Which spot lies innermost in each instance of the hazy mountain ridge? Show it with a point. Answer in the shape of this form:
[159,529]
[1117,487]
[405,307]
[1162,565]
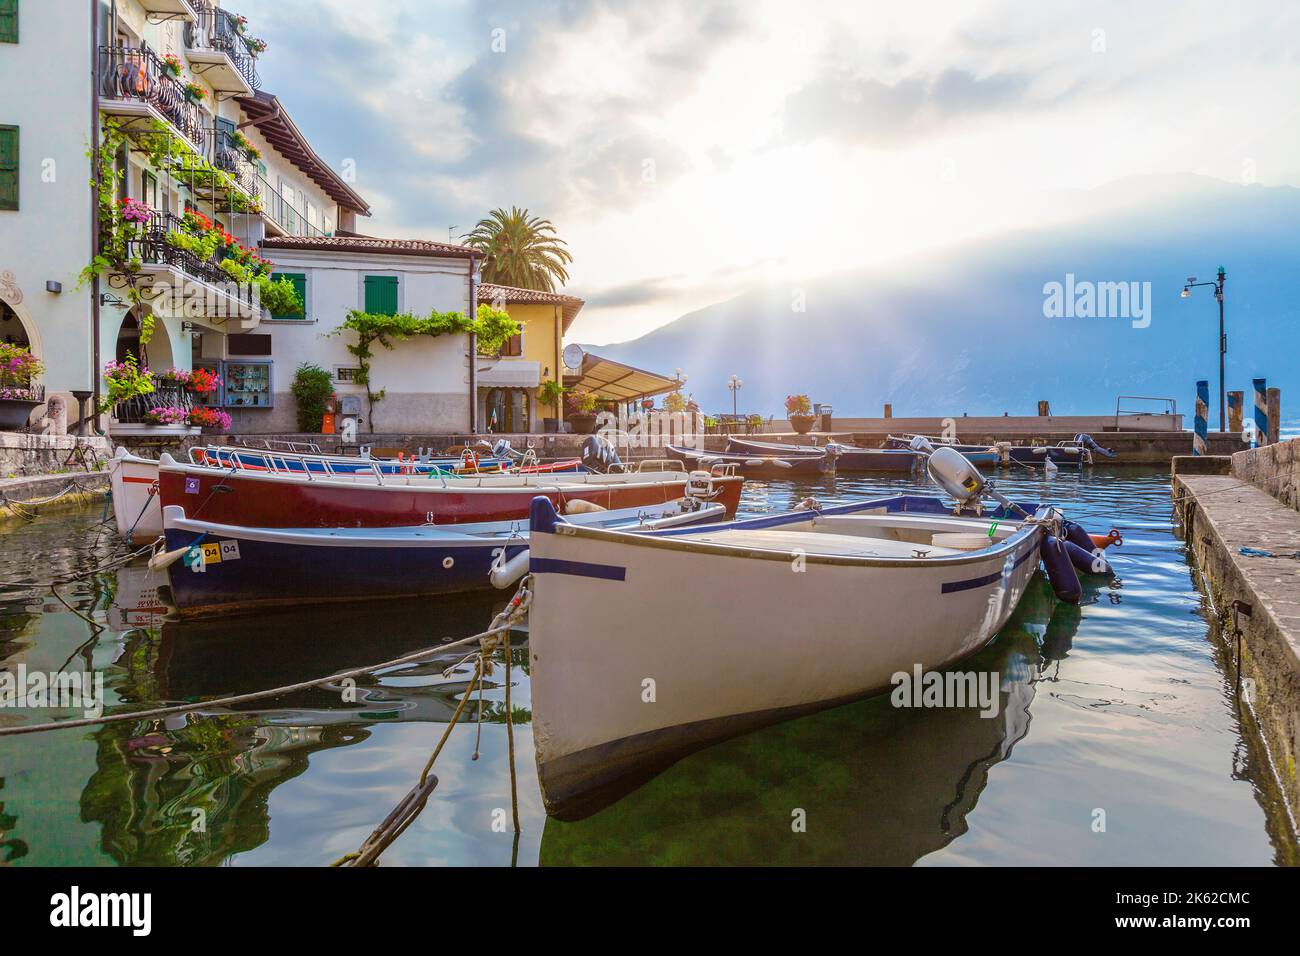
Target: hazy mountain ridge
[962,329]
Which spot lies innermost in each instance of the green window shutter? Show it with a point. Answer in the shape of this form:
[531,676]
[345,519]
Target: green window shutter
[381,295]
[8,167]
[8,21]
[299,280]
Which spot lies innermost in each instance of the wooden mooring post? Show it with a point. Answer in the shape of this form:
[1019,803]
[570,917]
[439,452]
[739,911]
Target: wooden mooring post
[1236,406]
[1274,404]
[1201,436]
[1260,434]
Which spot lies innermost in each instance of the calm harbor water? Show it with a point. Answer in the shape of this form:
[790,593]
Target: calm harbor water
[1120,706]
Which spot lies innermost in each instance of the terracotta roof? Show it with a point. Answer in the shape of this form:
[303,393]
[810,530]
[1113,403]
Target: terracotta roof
[372,244]
[570,304]
[269,116]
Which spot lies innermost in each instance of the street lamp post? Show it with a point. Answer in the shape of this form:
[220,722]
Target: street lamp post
[735,384]
[1217,283]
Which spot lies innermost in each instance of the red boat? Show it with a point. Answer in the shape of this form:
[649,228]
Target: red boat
[279,500]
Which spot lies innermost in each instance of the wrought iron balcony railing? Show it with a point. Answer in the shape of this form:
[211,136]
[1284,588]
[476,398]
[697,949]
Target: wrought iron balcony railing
[149,244]
[218,29]
[133,410]
[231,158]
[137,73]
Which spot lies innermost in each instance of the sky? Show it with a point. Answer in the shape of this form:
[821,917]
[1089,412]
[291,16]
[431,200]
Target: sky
[689,150]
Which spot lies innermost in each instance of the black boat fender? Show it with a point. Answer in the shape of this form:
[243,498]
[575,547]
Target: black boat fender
[1060,569]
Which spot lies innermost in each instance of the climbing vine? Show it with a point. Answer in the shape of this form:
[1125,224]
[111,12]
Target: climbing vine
[492,326]
[115,230]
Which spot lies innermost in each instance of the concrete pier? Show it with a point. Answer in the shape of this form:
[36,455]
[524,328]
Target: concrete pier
[1253,504]
[40,494]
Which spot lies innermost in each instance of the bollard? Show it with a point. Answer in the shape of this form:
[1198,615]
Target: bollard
[1202,418]
[1274,415]
[889,410]
[1236,406]
[1044,408]
[1259,434]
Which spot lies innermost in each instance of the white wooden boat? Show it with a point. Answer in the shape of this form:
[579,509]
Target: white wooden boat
[715,630]
[134,483]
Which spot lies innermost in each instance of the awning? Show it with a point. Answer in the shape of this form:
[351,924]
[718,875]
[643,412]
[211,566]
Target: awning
[606,378]
[509,373]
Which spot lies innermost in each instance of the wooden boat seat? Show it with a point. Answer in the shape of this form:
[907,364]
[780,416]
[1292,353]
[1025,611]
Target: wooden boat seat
[916,529]
[813,542]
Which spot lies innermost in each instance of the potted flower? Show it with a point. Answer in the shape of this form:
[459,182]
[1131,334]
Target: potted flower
[580,410]
[647,404]
[755,423]
[125,380]
[710,425]
[550,393]
[171,65]
[210,418]
[798,409]
[167,415]
[18,396]
[194,92]
[202,381]
[256,45]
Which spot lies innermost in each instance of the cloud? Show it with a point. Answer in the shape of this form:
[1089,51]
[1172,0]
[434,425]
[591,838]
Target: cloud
[854,108]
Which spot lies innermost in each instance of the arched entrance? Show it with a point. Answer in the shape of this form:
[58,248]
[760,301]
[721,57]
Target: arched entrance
[12,329]
[157,354]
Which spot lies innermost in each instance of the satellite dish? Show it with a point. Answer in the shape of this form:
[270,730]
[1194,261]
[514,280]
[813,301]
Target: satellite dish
[573,356]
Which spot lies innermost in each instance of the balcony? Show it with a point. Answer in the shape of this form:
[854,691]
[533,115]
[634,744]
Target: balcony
[183,284]
[159,11]
[228,157]
[219,52]
[133,85]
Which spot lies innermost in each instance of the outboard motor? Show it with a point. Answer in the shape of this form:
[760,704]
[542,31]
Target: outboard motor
[598,454]
[1087,441]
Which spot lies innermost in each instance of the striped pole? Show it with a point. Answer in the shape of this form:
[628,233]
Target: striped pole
[1260,436]
[1202,417]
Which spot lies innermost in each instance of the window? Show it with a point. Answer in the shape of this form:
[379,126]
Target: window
[149,188]
[8,21]
[345,374]
[514,346]
[299,280]
[381,295]
[8,167]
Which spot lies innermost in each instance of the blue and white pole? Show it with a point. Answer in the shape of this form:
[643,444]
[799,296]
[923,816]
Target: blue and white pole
[1260,434]
[1202,418]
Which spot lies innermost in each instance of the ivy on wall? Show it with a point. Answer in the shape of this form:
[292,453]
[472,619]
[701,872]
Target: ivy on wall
[492,326]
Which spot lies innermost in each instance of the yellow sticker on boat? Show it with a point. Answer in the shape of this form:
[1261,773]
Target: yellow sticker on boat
[211,553]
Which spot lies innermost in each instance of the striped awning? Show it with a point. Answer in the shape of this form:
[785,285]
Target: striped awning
[606,378]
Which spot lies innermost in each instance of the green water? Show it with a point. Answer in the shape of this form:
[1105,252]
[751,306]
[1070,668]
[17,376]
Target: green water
[1121,706]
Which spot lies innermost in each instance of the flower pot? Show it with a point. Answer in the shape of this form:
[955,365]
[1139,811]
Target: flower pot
[802,423]
[584,423]
[14,413]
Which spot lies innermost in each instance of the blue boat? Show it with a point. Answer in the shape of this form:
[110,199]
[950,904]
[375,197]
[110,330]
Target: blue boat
[226,569]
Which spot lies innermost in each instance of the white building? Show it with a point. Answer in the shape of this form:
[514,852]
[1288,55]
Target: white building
[184,152]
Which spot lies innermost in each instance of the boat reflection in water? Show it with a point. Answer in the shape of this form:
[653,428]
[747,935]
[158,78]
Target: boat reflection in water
[194,790]
[876,784]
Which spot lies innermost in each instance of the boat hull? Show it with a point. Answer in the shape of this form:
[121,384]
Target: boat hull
[799,642]
[242,572]
[764,465]
[265,500]
[136,508]
[850,458]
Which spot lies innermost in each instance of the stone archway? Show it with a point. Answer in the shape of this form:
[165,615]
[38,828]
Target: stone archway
[24,330]
[157,354]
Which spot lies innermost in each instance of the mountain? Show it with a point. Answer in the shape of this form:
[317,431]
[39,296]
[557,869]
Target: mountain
[962,329]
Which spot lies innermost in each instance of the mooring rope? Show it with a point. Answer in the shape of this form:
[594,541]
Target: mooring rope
[410,806]
[487,639]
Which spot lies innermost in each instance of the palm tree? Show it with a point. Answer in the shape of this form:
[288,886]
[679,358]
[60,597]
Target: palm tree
[520,250]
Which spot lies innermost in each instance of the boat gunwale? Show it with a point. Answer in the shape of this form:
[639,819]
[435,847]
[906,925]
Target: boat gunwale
[463,484]
[678,539]
[445,534]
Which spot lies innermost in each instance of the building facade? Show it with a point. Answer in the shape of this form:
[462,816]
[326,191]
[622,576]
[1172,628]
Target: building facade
[171,87]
